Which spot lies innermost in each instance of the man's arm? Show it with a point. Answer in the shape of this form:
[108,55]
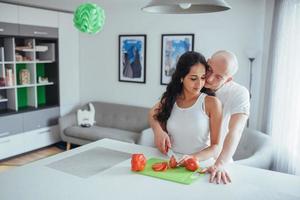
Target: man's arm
[236,126]
[161,138]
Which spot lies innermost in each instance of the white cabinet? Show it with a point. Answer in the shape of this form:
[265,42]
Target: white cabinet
[28,16]
[10,146]
[37,17]
[8,13]
[68,63]
[19,132]
[28,141]
[40,138]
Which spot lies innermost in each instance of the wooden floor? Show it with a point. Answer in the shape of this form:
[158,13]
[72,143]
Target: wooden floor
[28,157]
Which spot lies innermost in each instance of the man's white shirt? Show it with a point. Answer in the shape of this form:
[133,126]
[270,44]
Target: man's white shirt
[235,99]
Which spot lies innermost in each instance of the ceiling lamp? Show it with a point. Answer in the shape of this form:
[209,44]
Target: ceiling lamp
[185,6]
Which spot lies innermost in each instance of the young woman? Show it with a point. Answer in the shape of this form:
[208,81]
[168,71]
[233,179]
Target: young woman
[191,119]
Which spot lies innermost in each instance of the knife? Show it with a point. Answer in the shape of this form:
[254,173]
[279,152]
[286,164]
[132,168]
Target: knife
[171,153]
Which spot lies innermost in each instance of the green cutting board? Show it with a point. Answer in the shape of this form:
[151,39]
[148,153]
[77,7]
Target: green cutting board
[179,174]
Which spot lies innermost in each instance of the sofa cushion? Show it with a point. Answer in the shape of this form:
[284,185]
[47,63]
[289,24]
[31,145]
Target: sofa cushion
[125,117]
[96,133]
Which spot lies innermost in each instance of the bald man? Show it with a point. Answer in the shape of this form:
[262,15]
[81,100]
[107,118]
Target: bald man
[236,105]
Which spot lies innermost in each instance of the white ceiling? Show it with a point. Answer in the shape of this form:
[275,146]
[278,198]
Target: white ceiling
[68,5]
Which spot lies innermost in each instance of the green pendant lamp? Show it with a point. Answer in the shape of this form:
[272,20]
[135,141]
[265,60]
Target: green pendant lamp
[89,18]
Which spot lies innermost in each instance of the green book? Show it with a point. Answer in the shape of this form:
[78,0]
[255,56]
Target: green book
[179,174]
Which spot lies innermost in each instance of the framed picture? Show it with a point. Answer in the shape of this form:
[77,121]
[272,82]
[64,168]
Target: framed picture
[132,58]
[172,47]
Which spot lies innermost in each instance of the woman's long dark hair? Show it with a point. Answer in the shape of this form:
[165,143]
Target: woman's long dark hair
[174,88]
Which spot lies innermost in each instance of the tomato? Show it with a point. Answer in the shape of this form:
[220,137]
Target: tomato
[161,166]
[138,162]
[172,162]
[191,164]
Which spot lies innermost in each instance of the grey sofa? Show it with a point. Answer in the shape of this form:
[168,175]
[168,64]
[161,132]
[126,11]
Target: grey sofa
[130,124]
[254,149]
[115,121]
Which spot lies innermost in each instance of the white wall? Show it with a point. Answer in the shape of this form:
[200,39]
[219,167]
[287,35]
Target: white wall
[237,30]
[68,64]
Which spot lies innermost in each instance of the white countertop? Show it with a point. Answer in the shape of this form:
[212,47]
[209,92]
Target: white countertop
[38,181]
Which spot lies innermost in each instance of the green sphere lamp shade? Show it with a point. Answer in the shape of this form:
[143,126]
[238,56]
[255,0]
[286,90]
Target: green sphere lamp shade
[89,18]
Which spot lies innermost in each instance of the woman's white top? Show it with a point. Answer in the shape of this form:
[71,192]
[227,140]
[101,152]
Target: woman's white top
[188,128]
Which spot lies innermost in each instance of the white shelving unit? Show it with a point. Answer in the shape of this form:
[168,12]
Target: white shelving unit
[22,129]
[19,53]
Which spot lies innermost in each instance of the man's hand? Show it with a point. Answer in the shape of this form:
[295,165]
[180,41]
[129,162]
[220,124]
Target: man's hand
[217,174]
[162,141]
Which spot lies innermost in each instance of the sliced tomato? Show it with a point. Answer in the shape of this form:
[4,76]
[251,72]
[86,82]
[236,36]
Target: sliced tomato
[165,166]
[138,162]
[191,164]
[172,162]
[157,166]
[161,166]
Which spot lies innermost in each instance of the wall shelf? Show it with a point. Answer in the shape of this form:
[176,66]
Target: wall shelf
[25,62]
[24,49]
[27,85]
[3,100]
[44,84]
[7,87]
[45,61]
[8,62]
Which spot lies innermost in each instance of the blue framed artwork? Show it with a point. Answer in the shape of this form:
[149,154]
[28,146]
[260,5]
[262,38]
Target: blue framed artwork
[172,47]
[132,58]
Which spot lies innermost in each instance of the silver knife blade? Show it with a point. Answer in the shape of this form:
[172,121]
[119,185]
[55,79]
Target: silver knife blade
[171,153]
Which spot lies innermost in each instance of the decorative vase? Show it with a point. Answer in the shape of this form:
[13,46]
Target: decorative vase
[9,77]
[24,76]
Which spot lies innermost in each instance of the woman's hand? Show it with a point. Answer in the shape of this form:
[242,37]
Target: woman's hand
[162,141]
[217,174]
[182,160]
